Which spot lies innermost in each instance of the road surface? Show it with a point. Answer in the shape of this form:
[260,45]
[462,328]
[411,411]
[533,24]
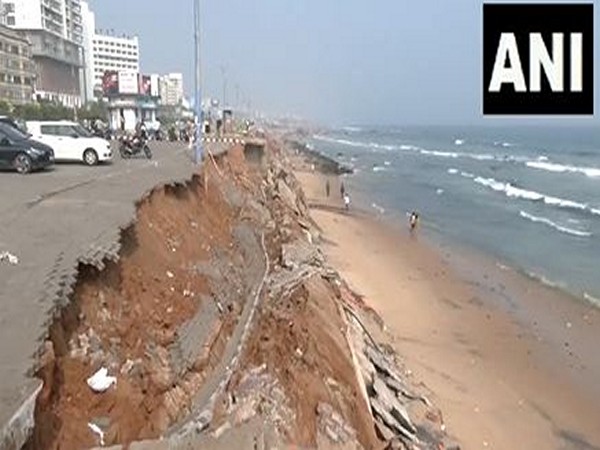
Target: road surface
[50,220]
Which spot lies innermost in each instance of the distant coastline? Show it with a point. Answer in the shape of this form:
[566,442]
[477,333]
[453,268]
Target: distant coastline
[322,162]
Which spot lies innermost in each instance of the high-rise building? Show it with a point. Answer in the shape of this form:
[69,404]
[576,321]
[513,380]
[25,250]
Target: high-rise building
[17,71]
[55,30]
[114,54]
[171,89]
[89,30]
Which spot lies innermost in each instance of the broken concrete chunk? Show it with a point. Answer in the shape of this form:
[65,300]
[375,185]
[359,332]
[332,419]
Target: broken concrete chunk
[384,432]
[382,363]
[380,409]
[392,404]
[287,195]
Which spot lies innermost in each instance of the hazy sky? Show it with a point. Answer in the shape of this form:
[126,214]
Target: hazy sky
[339,61]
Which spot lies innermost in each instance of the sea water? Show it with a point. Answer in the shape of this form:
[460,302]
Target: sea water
[528,196]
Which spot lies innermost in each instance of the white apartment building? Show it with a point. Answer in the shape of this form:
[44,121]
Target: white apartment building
[171,89]
[89,30]
[114,53]
[55,29]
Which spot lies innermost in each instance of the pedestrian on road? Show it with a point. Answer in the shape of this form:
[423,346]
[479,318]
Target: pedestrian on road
[327,187]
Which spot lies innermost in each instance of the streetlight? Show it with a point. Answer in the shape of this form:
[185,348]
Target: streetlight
[198,85]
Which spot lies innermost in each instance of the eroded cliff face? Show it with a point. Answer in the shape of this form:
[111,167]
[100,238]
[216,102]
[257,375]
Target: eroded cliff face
[220,310]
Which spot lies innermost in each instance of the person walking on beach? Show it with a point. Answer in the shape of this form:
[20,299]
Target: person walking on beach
[413,221]
[327,187]
[346,201]
[342,190]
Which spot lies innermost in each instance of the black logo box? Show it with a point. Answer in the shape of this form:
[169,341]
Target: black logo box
[523,19]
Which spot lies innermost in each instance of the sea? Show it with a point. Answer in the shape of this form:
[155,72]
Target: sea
[527,196]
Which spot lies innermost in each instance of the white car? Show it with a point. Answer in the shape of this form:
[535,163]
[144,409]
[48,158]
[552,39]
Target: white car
[70,141]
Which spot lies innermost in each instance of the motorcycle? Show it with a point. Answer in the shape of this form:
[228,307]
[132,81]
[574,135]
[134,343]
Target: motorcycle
[133,146]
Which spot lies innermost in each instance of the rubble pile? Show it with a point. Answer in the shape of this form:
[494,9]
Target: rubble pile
[222,322]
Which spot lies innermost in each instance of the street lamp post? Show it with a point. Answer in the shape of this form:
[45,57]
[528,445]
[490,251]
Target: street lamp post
[198,84]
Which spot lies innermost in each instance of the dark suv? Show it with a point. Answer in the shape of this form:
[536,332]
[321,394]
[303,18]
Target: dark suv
[18,151]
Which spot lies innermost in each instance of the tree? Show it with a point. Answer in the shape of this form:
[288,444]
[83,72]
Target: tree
[5,108]
[93,111]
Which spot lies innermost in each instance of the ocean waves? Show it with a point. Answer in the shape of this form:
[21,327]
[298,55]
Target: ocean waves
[538,163]
[592,172]
[552,224]
[516,192]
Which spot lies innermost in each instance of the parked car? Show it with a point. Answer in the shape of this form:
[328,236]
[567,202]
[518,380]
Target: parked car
[21,153]
[71,141]
[15,123]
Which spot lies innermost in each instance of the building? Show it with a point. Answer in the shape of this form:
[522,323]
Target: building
[131,97]
[113,54]
[17,71]
[171,89]
[55,30]
[89,31]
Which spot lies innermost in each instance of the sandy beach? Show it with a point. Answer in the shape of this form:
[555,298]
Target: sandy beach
[510,362]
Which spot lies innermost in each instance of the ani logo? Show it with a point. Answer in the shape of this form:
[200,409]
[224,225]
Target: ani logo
[538,59]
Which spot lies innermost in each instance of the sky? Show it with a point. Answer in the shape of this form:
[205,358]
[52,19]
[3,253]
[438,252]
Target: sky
[337,62]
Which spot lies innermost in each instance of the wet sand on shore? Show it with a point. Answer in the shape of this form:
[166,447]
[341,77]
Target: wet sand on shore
[510,362]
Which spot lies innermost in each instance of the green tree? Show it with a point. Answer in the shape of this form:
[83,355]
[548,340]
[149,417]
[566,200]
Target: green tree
[93,111]
[5,108]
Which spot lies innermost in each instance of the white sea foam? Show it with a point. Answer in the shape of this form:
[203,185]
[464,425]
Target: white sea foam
[452,171]
[595,301]
[405,148]
[595,211]
[352,129]
[554,225]
[459,142]
[467,175]
[439,153]
[387,163]
[378,169]
[346,142]
[514,192]
[439,191]
[592,172]
[379,209]
[545,281]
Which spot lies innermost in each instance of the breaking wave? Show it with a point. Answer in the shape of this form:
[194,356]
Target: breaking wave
[459,141]
[379,209]
[593,300]
[515,192]
[592,172]
[550,223]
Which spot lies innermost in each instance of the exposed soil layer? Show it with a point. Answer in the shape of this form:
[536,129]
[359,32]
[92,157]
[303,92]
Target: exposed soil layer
[301,341]
[126,317]
[187,264]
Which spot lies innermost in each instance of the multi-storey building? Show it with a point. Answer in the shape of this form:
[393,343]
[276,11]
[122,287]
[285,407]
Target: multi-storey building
[55,30]
[17,71]
[171,89]
[114,54]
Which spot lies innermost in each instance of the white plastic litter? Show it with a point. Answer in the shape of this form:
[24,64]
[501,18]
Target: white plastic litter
[96,429]
[101,381]
[9,258]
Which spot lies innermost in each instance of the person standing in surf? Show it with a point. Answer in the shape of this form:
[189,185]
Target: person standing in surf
[413,221]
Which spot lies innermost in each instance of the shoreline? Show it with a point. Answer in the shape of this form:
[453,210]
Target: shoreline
[486,322]
[436,238]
